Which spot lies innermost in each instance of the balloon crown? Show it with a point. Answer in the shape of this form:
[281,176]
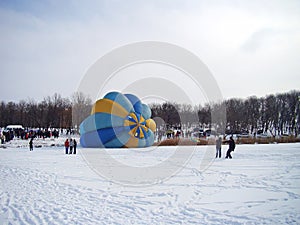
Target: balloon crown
[118,120]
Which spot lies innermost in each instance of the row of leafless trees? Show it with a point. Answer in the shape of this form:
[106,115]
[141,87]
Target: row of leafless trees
[53,111]
[278,113]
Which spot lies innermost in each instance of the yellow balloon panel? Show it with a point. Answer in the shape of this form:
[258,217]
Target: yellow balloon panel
[151,124]
[110,107]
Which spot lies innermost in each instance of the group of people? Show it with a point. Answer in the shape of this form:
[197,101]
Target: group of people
[231,147]
[71,146]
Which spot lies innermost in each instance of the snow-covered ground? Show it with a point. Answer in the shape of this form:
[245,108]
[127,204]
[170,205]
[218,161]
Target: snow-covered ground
[260,185]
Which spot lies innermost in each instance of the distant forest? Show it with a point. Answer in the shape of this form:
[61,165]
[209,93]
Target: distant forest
[53,112]
[278,113]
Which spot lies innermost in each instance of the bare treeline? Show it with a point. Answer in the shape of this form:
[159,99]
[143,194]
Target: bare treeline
[278,114]
[53,111]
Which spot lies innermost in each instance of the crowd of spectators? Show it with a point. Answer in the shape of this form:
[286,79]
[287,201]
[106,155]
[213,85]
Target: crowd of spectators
[7,135]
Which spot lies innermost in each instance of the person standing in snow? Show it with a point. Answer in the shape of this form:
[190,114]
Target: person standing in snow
[75,146]
[67,144]
[71,146]
[2,138]
[231,148]
[31,144]
[218,147]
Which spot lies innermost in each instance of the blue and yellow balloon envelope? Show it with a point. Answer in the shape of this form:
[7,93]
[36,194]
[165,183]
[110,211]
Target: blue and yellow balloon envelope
[118,120]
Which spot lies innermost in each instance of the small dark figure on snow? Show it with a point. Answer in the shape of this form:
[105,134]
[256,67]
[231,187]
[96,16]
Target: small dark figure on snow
[75,146]
[231,148]
[31,144]
[218,147]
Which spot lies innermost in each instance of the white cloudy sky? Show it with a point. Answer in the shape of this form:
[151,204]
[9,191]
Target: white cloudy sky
[251,47]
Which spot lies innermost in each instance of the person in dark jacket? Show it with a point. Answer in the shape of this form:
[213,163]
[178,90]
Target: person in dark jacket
[31,144]
[75,146]
[231,148]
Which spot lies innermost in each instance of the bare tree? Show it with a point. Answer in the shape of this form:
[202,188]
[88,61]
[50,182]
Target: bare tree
[81,108]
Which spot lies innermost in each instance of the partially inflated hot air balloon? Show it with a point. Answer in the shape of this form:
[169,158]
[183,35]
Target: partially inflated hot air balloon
[118,120]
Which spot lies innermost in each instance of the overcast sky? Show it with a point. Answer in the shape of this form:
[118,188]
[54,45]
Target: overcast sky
[251,47]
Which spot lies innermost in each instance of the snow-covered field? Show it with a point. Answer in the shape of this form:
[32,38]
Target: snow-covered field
[260,185]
